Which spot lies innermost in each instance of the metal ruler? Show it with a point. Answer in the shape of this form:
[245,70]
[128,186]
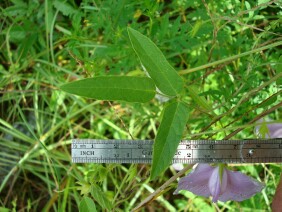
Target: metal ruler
[188,151]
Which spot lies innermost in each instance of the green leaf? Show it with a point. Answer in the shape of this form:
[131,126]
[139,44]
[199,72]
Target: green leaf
[196,28]
[132,173]
[263,130]
[163,74]
[130,89]
[87,205]
[17,33]
[268,102]
[27,44]
[175,116]
[279,70]
[19,9]
[64,7]
[200,100]
[100,197]
[84,187]
[2,209]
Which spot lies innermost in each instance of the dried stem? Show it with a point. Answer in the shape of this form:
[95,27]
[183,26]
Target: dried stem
[157,192]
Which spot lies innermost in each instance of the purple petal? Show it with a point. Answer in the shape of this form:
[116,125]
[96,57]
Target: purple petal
[216,186]
[197,181]
[275,129]
[240,187]
[177,166]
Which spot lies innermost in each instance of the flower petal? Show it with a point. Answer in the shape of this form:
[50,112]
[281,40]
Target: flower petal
[274,130]
[217,186]
[177,166]
[240,187]
[197,181]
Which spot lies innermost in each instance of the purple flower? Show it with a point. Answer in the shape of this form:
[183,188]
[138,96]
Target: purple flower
[177,166]
[220,183]
[265,130]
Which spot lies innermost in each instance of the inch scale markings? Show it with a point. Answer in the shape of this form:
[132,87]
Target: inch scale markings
[188,151]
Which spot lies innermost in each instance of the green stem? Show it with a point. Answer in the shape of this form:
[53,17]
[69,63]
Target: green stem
[121,185]
[187,71]
[221,169]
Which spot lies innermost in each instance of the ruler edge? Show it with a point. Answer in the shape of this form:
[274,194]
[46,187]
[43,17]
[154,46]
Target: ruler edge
[242,142]
[184,141]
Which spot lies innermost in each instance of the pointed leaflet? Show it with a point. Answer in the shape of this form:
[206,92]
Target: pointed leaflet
[200,100]
[173,122]
[87,205]
[165,77]
[130,89]
[101,198]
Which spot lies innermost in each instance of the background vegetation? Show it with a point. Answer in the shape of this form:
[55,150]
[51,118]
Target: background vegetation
[44,44]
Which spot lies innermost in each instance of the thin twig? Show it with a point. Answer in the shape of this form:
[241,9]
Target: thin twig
[123,124]
[162,188]
[254,120]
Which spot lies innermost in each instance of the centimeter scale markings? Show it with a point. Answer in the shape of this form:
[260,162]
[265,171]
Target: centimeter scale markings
[188,151]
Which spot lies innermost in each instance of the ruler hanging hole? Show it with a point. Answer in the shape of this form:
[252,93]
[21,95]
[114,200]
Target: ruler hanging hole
[251,151]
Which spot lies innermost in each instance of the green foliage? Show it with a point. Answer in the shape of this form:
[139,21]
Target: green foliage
[279,70]
[132,173]
[84,188]
[175,116]
[130,89]
[65,8]
[98,173]
[100,197]
[87,205]
[163,74]
[200,100]
[263,130]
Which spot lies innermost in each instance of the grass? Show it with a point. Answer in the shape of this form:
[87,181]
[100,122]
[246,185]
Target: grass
[230,50]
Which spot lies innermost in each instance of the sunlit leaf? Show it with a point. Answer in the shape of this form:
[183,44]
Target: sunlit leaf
[196,27]
[130,89]
[100,197]
[151,57]
[175,116]
[263,130]
[84,188]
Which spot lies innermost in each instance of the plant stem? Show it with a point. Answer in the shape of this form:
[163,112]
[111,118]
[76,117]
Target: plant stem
[187,71]
[157,192]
